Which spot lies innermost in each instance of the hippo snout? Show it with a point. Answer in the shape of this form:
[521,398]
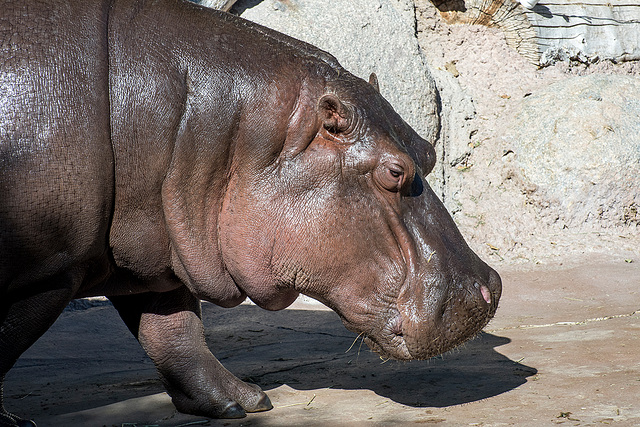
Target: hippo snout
[442,313]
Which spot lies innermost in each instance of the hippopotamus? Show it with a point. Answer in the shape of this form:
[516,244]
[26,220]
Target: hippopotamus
[160,153]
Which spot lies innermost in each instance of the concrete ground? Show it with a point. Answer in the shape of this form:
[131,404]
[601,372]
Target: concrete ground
[564,348]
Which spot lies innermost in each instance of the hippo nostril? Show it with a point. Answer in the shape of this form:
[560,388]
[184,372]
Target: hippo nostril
[484,291]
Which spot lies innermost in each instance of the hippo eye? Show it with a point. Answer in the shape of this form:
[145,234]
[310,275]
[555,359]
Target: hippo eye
[395,173]
[390,177]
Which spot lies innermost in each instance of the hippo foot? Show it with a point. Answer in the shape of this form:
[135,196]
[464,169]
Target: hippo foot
[263,403]
[231,411]
[10,420]
[234,410]
[252,400]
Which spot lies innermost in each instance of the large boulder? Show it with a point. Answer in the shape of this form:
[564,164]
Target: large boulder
[578,142]
[365,36]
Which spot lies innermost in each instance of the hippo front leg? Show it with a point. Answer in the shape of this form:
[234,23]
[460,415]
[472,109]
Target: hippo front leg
[169,328]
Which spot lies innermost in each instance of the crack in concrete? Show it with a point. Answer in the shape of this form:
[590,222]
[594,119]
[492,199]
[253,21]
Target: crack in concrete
[295,366]
[286,328]
[581,322]
[311,332]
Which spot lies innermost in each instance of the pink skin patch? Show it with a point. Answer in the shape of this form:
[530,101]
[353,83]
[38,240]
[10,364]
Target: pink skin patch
[486,294]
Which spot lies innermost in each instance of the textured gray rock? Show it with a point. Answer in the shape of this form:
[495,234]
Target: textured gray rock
[453,145]
[365,36]
[578,142]
[586,31]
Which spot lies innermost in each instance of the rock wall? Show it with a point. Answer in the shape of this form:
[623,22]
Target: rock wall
[545,177]
[578,142]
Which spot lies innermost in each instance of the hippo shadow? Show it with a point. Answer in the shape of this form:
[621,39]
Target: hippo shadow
[311,349]
[89,359]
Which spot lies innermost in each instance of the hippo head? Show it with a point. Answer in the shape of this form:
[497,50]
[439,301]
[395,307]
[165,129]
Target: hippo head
[341,212]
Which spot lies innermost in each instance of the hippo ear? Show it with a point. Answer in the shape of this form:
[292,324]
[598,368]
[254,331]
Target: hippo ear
[373,81]
[336,117]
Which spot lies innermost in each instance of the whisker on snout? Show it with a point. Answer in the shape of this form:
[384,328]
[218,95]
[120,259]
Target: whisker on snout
[354,342]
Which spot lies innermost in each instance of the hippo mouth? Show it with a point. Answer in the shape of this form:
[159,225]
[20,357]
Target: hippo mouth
[390,343]
[458,317]
[409,333]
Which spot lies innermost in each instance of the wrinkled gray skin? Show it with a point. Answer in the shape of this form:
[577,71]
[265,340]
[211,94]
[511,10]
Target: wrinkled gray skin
[160,153]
